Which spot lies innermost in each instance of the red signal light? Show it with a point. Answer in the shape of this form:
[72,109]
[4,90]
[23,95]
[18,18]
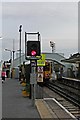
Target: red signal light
[33,48]
[33,53]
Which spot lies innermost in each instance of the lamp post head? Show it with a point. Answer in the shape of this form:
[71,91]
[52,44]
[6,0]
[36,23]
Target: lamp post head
[8,50]
[20,28]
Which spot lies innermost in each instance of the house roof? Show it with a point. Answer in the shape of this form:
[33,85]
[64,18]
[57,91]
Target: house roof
[75,58]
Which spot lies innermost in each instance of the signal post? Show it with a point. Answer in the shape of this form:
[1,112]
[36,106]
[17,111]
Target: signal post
[32,50]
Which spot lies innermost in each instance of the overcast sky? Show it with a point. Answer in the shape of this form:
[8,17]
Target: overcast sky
[56,21]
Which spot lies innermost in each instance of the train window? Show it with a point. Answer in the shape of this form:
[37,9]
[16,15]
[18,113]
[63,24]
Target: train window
[47,67]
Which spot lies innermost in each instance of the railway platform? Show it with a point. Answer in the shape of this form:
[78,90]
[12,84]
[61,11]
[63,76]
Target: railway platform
[14,105]
[50,108]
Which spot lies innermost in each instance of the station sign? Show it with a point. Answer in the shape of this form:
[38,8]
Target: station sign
[40,74]
[41,61]
[40,69]
[40,77]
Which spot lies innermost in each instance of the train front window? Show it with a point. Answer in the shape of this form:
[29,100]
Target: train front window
[47,67]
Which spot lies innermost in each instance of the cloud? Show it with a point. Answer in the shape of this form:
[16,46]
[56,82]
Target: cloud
[39,9]
[40,0]
[55,21]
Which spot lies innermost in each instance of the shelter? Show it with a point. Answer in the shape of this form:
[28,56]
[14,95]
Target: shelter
[54,56]
[75,58]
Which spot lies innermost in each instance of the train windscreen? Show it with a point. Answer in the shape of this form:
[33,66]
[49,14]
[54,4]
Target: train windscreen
[47,67]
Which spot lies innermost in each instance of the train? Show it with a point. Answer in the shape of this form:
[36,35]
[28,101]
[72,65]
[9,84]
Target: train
[47,70]
[51,71]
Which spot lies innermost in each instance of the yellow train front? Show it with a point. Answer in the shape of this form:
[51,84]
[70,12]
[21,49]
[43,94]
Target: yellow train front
[47,71]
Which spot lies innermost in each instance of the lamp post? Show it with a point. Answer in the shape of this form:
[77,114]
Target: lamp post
[20,42]
[20,53]
[13,49]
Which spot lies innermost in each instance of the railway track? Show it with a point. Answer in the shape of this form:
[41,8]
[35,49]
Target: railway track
[66,96]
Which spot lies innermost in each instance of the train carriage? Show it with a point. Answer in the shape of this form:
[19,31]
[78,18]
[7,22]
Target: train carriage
[47,70]
[52,70]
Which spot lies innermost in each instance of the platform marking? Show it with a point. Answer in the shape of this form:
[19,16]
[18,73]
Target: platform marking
[61,106]
[71,79]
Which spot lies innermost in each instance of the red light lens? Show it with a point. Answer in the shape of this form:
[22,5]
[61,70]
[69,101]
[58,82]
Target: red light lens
[33,53]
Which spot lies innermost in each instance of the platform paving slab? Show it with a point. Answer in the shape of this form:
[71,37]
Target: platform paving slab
[43,109]
[14,105]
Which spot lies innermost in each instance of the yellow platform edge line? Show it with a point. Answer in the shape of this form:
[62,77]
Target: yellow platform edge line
[43,109]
